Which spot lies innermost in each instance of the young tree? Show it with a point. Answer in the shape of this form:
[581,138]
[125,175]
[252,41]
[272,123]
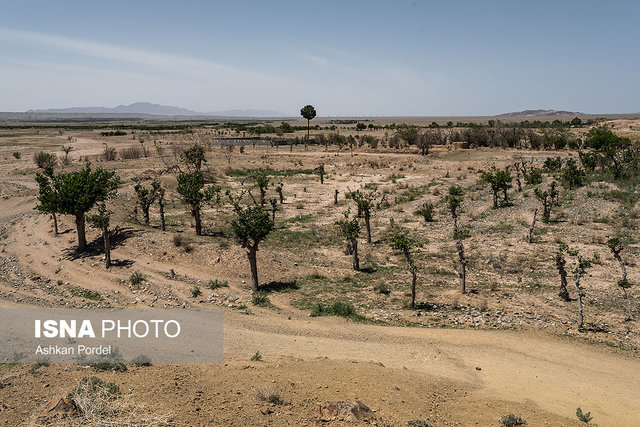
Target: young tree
[350,230]
[403,243]
[101,220]
[454,200]
[579,272]
[308,112]
[533,225]
[365,203]
[146,197]
[262,181]
[48,202]
[561,263]
[279,188]
[274,208]
[193,157]
[500,181]
[161,193]
[549,198]
[67,149]
[463,266]
[572,176]
[191,188]
[251,225]
[321,172]
[76,193]
[615,245]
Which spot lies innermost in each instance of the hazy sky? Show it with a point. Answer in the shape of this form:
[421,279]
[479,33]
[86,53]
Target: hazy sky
[344,57]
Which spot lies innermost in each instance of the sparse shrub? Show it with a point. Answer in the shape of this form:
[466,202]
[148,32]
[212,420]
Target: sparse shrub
[584,417]
[215,284]
[131,153]
[511,420]
[418,423]
[94,386]
[109,366]
[136,278]
[338,308]
[256,357]
[109,154]
[44,160]
[531,174]
[196,292]
[426,211]
[260,298]
[141,360]
[266,394]
[549,198]
[551,165]
[86,293]
[572,176]
[178,240]
[38,364]
[17,154]
[383,288]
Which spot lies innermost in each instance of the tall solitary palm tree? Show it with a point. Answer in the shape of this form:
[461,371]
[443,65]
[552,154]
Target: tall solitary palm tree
[308,112]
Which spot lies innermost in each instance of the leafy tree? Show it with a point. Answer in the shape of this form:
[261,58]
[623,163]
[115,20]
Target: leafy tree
[572,176]
[161,193]
[549,199]
[615,245]
[410,134]
[251,225]
[454,200]
[360,126]
[146,197]
[576,122]
[78,192]
[262,181]
[191,188]
[48,200]
[350,230]
[365,203]
[274,208]
[194,157]
[308,112]
[403,243]
[101,220]
[500,181]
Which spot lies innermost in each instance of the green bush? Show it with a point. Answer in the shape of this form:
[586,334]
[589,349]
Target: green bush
[215,284]
[196,292]
[511,420]
[136,278]
[426,211]
[260,298]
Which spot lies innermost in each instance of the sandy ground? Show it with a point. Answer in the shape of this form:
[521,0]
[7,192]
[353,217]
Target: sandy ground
[462,377]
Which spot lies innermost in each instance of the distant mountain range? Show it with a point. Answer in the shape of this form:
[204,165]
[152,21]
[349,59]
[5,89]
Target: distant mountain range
[158,110]
[540,113]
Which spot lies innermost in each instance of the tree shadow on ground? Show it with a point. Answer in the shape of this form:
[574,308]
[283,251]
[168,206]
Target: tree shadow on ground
[278,286]
[118,237]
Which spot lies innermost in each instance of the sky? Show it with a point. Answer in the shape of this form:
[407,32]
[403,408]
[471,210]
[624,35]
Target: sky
[347,58]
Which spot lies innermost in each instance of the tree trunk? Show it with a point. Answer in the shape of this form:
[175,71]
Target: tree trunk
[335,197]
[367,222]
[82,238]
[145,212]
[414,280]
[623,271]
[308,129]
[196,216]
[533,224]
[564,294]
[321,178]
[55,223]
[253,262]
[463,267]
[162,222]
[107,247]
[579,291]
[356,261]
